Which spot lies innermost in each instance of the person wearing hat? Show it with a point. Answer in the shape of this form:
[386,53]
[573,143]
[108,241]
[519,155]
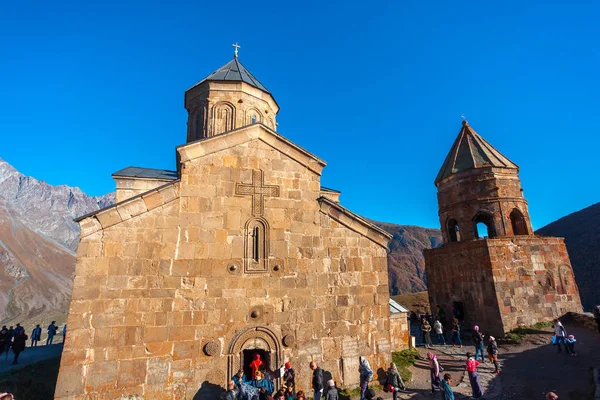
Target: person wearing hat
[478,339]
[493,353]
[289,377]
[570,344]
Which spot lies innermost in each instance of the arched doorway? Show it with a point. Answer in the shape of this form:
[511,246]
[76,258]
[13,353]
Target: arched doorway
[255,340]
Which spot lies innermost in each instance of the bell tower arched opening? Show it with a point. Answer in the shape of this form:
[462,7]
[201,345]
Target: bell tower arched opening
[483,225]
[517,220]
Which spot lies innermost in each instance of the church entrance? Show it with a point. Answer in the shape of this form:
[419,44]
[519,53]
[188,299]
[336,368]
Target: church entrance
[250,342]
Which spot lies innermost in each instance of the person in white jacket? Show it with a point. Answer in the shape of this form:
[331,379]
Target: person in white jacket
[439,331]
[561,334]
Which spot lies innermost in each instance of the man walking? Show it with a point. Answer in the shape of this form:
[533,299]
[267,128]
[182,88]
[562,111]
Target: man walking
[317,380]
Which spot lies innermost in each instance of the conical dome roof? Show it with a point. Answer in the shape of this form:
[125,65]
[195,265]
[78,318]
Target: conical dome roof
[234,71]
[471,151]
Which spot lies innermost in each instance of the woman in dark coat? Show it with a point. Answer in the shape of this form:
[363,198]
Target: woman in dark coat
[19,345]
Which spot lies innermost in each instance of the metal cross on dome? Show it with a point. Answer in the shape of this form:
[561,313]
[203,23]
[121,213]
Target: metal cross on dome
[235,52]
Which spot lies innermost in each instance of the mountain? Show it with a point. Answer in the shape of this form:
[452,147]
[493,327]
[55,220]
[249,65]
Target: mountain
[38,238]
[580,230]
[406,263]
[46,209]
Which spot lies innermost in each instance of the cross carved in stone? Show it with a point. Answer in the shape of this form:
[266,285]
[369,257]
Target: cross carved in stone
[258,190]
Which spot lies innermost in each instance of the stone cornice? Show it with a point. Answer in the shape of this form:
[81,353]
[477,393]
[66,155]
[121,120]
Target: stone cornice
[202,147]
[354,222]
[127,209]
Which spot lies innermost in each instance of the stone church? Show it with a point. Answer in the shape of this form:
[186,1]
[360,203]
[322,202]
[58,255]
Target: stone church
[240,251]
[492,268]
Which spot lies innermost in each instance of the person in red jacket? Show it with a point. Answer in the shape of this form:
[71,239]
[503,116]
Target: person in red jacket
[255,365]
[472,365]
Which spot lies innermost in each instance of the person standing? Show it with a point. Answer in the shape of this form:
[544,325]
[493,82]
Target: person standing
[4,340]
[434,372]
[439,332]
[394,382]
[366,374]
[18,329]
[493,353]
[64,333]
[317,380]
[560,333]
[36,335]
[447,393]
[289,377]
[474,379]
[478,339]
[19,345]
[456,333]
[51,332]
[332,393]
[426,329]
[570,344]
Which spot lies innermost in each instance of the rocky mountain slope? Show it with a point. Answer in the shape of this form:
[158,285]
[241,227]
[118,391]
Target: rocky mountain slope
[580,230]
[46,209]
[38,239]
[406,263]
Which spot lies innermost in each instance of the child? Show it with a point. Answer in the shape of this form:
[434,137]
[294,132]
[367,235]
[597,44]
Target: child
[570,343]
[447,393]
[332,393]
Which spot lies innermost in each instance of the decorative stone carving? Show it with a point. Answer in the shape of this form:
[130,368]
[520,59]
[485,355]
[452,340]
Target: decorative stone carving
[216,377]
[256,247]
[212,348]
[258,190]
[289,340]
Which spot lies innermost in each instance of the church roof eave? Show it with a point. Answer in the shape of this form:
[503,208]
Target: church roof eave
[355,222]
[470,151]
[223,141]
[128,208]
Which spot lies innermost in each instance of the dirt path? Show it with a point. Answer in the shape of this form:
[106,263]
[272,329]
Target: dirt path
[30,355]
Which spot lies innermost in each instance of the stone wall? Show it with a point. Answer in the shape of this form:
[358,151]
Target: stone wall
[505,282]
[534,280]
[399,331]
[462,272]
[165,298]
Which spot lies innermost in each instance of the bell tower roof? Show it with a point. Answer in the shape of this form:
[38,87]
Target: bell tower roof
[471,151]
[233,71]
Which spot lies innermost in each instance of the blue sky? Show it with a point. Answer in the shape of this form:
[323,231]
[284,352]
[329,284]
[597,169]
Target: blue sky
[374,88]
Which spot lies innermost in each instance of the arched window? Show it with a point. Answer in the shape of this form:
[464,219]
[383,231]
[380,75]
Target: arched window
[453,231]
[483,225]
[257,245]
[253,116]
[517,220]
[223,117]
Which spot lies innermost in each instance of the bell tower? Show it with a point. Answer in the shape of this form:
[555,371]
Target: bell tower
[479,192]
[491,267]
[229,98]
